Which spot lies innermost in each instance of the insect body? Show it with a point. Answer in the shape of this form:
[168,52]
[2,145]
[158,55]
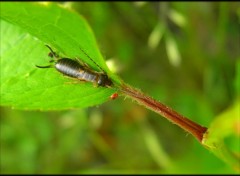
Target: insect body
[75,69]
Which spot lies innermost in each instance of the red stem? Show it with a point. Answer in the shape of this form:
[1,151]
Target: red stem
[195,129]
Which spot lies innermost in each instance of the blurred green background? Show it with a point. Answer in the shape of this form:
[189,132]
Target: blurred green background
[185,55]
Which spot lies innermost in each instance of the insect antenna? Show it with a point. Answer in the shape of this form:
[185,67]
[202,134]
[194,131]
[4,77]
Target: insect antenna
[92,59]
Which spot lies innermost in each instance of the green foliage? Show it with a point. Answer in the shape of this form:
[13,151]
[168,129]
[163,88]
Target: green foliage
[224,126]
[28,28]
[119,136]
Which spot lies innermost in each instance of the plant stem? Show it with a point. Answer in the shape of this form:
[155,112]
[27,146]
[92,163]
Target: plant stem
[191,127]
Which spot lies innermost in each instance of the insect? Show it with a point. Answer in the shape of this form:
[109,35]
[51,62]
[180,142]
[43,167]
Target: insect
[77,69]
[114,96]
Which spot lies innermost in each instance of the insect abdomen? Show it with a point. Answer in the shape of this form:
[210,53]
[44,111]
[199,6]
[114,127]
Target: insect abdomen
[73,69]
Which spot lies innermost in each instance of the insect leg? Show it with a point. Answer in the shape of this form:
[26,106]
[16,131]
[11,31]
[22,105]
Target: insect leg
[75,80]
[81,62]
[95,84]
[52,53]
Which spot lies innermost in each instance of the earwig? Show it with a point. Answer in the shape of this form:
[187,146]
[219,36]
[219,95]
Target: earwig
[75,69]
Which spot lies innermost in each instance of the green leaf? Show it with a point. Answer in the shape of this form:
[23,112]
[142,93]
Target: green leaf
[156,36]
[25,29]
[177,18]
[172,50]
[224,126]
